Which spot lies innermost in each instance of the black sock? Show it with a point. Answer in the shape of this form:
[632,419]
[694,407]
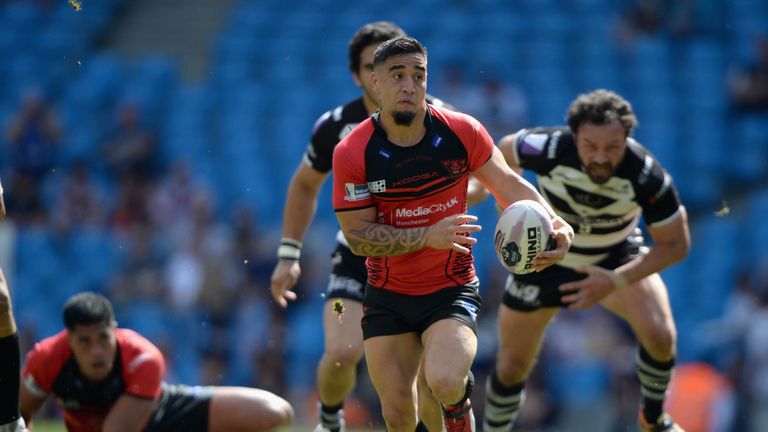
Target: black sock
[330,416]
[9,378]
[502,403]
[654,378]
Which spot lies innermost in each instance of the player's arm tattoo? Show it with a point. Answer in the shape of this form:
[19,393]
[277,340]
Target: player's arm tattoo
[384,240]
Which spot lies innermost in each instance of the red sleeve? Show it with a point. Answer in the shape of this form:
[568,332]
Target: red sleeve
[143,365]
[480,146]
[44,362]
[472,134]
[350,189]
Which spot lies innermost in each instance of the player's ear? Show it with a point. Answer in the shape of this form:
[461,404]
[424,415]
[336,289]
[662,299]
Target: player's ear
[375,83]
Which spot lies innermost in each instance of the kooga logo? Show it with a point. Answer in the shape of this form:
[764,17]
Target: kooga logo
[428,210]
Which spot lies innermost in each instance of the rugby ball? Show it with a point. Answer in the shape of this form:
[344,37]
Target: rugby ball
[522,232]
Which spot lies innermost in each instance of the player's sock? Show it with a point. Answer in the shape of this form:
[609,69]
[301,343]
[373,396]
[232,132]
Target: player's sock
[654,378]
[9,379]
[332,417]
[502,404]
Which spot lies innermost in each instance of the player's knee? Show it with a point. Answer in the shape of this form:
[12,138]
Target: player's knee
[281,412]
[342,356]
[275,413]
[660,342]
[511,368]
[446,386]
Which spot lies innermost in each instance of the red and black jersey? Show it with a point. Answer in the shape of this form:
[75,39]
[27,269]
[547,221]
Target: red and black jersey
[334,125]
[412,187]
[51,369]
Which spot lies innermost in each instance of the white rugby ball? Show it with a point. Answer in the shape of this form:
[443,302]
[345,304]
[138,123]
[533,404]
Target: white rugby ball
[522,232]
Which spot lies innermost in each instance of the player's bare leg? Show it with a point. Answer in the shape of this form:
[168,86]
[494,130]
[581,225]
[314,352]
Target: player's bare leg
[645,306]
[449,349]
[393,365]
[337,370]
[247,410]
[520,337]
[430,413]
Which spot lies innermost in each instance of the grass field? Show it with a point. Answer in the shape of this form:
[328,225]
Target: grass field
[48,426]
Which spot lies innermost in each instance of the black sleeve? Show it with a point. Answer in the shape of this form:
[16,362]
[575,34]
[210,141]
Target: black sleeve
[324,139]
[539,149]
[656,192]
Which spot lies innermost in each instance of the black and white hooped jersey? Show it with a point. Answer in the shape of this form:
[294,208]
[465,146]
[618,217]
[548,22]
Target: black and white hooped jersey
[602,215]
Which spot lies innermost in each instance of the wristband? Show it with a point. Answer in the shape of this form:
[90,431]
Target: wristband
[289,249]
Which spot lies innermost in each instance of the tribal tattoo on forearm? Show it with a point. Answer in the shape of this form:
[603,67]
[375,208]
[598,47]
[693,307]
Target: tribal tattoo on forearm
[384,240]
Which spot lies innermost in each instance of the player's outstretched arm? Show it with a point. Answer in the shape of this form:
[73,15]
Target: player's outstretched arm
[672,241]
[300,208]
[368,238]
[29,404]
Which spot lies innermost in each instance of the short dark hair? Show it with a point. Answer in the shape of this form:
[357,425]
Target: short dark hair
[397,46]
[601,107]
[375,32]
[87,308]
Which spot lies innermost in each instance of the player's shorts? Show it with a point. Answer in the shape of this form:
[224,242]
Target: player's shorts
[349,275]
[182,409]
[386,313]
[542,289]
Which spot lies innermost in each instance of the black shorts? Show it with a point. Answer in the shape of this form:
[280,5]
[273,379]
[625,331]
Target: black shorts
[348,276]
[387,313]
[542,289]
[182,409]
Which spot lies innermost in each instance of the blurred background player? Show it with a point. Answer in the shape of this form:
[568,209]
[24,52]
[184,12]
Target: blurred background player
[10,419]
[600,180]
[336,371]
[106,378]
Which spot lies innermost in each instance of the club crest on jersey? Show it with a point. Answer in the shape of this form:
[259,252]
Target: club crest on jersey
[354,192]
[455,166]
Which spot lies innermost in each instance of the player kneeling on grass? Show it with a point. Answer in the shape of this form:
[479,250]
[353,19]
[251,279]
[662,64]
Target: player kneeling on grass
[107,379]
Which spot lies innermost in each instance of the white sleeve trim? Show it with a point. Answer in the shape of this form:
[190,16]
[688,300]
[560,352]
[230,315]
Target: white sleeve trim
[675,215]
[31,385]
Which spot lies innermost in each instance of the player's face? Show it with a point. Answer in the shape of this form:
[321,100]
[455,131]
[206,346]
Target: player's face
[601,148]
[94,347]
[400,83]
[363,76]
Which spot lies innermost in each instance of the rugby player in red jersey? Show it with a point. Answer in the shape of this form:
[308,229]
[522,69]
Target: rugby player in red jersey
[400,195]
[110,379]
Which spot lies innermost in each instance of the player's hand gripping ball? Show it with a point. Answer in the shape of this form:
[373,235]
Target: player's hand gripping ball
[522,232]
